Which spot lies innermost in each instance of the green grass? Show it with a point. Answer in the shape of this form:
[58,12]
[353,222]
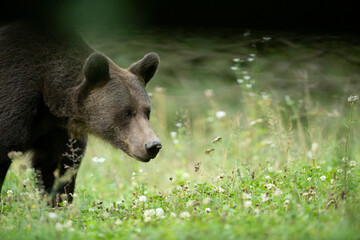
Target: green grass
[276,173]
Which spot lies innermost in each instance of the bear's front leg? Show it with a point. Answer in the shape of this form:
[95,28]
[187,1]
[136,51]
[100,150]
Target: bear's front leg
[57,159]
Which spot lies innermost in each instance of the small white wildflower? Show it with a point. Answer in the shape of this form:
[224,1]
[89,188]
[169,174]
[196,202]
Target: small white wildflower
[148,213]
[248,85]
[247,204]
[277,192]
[184,215]
[236,59]
[309,179]
[266,38]
[344,159]
[246,196]
[270,169]
[310,154]
[256,211]
[250,59]
[160,213]
[173,134]
[353,99]
[332,181]
[264,197]
[269,185]
[314,147]
[234,68]
[267,178]
[68,224]
[91,210]
[318,167]
[118,222]
[323,178]
[59,226]
[173,215]
[179,124]
[9,192]
[98,160]
[239,80]
[220,114]
[252,55]
[221,190]
[247,77]
[207,210]
[176,141]
[52,215]
[141,170]
[286,203]
[255,121]
[142,199]
[207,200]
[147,219]
[209,93]
[339,170]
[189,203]
[352,163]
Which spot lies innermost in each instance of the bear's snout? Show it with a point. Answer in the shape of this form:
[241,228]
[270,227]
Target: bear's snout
[153,148]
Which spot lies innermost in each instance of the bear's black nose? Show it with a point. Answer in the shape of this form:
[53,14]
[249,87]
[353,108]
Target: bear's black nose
[153,148]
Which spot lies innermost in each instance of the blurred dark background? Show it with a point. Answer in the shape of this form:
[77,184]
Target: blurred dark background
[305,16]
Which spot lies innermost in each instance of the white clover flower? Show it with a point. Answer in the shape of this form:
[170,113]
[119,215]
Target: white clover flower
[250,59]
[266,38]
[353,99]
[247,77]
[352,163]
[173,134]
[184,215]
[309,179]
[142,199]
[118,222]
[332,181]
[220,114]
[248,85]
[247,204]
[339,170]
[323,178]
[189,203]
[221,190]
[236,59]
[234,68]
[277,192]
[286,203]
[147,219]
[173,215]
[91,210]
[252,55]
[178,124]
[9,192]
[148,213]
[246,196]
[52,215]
[68,224]
[239,80]
[270,169]
[141,170]
[176,141]
[318,167]
[264,197]
[98,160]
[207,210]
[267,178]
[160,213]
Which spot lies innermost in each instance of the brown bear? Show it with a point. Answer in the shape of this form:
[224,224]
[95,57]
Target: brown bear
[55,90]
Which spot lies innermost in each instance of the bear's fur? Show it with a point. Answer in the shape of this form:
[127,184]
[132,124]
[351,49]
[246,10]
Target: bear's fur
[55,90]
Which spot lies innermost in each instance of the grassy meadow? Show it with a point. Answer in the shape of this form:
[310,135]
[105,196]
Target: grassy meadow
[260,141]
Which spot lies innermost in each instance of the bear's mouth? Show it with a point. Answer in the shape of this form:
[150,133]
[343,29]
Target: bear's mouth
[141,159]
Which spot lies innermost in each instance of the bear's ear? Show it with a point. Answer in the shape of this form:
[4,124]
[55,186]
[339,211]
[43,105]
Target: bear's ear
[96,68]
[146,67]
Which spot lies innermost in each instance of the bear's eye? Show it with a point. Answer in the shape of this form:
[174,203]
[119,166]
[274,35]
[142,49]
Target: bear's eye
[128,113]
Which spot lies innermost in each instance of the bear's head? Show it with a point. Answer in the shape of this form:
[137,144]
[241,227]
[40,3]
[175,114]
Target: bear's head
[112,103]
